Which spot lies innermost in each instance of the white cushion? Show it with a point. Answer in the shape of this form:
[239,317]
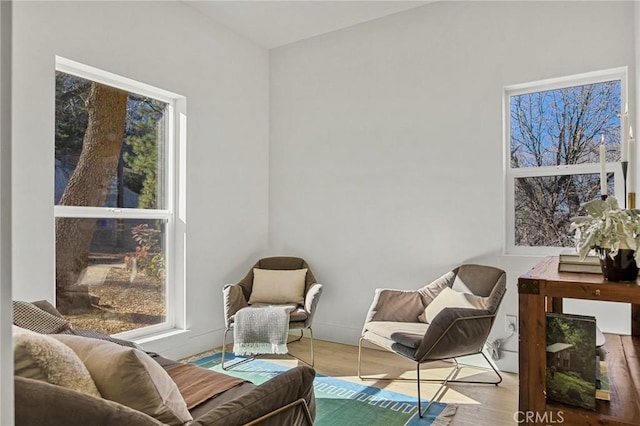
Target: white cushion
[447,298]
[278,286]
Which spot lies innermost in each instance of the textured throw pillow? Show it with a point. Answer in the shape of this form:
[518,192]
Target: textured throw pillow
[447,298]
[130,377]
[27,315]
[41,357]
[278,286]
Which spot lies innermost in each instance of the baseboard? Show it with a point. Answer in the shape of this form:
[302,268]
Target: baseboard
[508,361]
[337,333]
[189,343]
[185,344]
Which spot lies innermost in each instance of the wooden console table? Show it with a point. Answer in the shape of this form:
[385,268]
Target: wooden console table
[541,290]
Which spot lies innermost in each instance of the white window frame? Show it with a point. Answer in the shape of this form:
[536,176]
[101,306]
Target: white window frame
[174,213]
[511,174]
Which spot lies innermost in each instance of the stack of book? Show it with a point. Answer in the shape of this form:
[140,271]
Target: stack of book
[569,261]
[603,389]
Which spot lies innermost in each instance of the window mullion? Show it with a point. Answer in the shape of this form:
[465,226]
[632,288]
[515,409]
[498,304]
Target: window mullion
[109,212]
[574,169]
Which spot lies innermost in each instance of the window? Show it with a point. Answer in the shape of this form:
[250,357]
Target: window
[115,168]
[553,132]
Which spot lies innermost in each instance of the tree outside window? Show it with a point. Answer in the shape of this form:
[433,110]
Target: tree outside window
[554,136]
[112,211]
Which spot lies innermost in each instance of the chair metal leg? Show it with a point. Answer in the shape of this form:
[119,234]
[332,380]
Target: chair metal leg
[361,377]
[440,390]
[443,383]
[481,382]
[301,402]
[418,383]
[313,356]
[312,351]
[224,346]
[224,340]
[299,338]
[360,356]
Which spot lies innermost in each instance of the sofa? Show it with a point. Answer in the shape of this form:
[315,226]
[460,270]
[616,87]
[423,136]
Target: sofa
[74,377]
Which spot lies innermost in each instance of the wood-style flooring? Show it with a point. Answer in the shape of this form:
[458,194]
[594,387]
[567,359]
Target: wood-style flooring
[477,404]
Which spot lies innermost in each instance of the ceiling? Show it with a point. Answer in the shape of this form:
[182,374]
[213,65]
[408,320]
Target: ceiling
[276,23]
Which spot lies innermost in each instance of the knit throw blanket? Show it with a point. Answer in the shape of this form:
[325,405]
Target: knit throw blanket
[261,330]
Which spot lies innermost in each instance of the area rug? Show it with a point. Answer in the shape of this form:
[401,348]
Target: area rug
[340,402]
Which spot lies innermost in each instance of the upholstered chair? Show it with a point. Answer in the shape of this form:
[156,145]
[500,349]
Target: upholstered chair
[444,320]
[238,296]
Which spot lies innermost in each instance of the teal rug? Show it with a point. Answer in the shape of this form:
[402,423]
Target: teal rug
[340,402]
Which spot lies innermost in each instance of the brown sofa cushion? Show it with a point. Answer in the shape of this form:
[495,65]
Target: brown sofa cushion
[213,403]
[197,384]
[130,377]
[43,404]
[281,390]
[40,357]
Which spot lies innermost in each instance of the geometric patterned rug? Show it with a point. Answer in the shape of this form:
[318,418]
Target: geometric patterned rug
[340,402]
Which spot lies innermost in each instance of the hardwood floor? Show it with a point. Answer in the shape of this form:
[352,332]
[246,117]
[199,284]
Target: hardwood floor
[478,404]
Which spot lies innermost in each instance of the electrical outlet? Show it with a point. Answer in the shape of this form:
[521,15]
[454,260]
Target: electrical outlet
[510,323]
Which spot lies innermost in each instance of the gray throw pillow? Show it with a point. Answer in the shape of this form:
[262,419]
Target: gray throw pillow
[27,315]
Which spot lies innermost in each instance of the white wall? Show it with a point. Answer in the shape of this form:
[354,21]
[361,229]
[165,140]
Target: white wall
[386,148]
[6,348]
[385,158]
[171,46]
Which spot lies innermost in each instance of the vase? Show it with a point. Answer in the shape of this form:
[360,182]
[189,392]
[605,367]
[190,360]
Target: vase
[622,267]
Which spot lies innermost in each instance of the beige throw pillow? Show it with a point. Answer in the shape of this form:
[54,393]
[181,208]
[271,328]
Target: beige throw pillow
[278,286]
[447,298]
[129,376]
[40,357]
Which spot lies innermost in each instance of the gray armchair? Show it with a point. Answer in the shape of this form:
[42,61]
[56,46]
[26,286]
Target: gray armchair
[396,322]
[236,297]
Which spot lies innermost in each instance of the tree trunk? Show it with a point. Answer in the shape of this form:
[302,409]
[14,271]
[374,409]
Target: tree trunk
[89,186]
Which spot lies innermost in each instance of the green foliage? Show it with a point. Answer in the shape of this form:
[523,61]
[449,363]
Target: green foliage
[144,127]
[71,114]
[143,161]
[149,256]
[580,334]
[570,389]
[144,131]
